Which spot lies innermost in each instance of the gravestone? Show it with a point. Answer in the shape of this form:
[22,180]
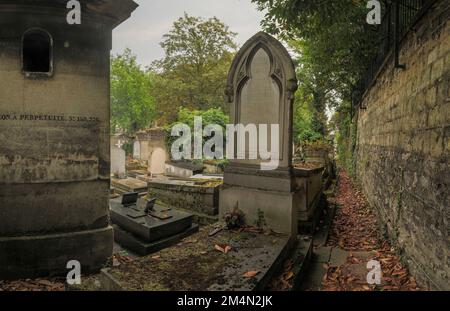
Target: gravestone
[260,90]
[118,160]
[136,150]
[183,169]
[157,162]
[152,149]
[55,135]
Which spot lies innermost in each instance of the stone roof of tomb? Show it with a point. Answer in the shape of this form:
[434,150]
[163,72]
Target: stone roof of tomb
[116,10]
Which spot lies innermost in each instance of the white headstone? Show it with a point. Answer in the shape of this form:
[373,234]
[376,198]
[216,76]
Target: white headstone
[137,150]
[157,162]
[118,162]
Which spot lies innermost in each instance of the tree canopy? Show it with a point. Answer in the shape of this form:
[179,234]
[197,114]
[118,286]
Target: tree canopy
[132,105]
[198,53]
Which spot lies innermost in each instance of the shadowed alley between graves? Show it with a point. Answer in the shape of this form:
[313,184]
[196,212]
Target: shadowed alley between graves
[355,239]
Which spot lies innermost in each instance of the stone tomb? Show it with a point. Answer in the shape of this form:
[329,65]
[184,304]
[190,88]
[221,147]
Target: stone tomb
[55,135]
[183,169]
[152,150]
[145,233]
[261,86]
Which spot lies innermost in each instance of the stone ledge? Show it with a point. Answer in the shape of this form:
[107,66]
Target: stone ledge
[48,255]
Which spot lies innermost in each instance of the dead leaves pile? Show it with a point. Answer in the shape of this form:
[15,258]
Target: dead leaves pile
[284,282]
[32,285]
[354,226]
[355,229]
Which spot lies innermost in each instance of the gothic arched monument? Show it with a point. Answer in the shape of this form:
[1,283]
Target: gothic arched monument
[260,90]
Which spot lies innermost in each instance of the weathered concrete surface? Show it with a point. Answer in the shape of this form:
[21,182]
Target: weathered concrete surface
[209,269]
[187,195]
[129,185]
[403,148]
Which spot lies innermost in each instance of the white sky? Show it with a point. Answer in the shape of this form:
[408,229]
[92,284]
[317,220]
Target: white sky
[143,32]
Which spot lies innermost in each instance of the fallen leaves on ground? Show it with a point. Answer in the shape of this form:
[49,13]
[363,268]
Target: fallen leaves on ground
[284,282]
[32,285]
[355,229]
[251,274]
[223,248]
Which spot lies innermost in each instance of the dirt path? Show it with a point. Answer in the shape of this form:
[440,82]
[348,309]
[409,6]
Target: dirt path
[341,264]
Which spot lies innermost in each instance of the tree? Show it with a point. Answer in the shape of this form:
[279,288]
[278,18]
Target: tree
[335,41]
[211,116]
[335,45]
[198,54]
[132,106]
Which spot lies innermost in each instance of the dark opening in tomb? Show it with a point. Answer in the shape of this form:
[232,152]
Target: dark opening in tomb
[37,52]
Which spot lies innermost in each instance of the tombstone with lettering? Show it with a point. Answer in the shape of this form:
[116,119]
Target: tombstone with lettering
[261,86]
[55,134]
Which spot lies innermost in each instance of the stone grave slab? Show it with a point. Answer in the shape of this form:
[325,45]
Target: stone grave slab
[141,247]
[129,185]
[195,264]
[146,227]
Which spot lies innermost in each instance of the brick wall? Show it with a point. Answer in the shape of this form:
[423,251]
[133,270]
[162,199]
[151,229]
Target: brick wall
[403,148]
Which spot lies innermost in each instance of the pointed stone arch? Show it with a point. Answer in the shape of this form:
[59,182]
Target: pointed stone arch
[281,72]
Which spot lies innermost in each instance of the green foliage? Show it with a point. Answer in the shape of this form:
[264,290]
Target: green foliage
[198,54]
[132,106]
[346,136]
[334,46]
[187,116]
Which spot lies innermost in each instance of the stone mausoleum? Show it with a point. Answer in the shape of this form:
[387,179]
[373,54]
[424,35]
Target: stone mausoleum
[54,135]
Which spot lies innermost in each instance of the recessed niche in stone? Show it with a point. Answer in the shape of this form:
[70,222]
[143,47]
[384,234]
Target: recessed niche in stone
[37,52]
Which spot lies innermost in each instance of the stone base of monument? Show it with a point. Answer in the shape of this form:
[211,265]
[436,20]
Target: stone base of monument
[48,255]
[309,206]
[196,264]
[144,234]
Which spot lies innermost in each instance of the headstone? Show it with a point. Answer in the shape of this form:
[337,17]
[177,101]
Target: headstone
[118,162]
[261,86]
[136,150]
[146,230]
[152,148]
[157,162]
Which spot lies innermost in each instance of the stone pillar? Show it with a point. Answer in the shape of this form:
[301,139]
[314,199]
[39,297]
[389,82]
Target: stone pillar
[260,90]
[54,135]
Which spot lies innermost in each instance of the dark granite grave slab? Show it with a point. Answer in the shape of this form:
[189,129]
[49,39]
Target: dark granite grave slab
[143,248]
[148,228]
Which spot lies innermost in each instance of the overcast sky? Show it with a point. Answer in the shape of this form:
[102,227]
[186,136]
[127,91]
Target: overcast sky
[143,32]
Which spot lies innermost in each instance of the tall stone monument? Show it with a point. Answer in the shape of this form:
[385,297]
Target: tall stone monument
[54,135]
[261,86]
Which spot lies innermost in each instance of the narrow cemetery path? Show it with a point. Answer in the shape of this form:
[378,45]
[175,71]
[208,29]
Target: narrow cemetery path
[341,264]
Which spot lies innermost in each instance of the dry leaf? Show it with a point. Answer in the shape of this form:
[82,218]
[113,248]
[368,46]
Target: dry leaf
[251,274]
[223,248]
[289,276]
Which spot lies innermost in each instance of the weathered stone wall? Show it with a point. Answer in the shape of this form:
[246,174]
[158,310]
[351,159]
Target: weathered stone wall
[54,131]
[403,148]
